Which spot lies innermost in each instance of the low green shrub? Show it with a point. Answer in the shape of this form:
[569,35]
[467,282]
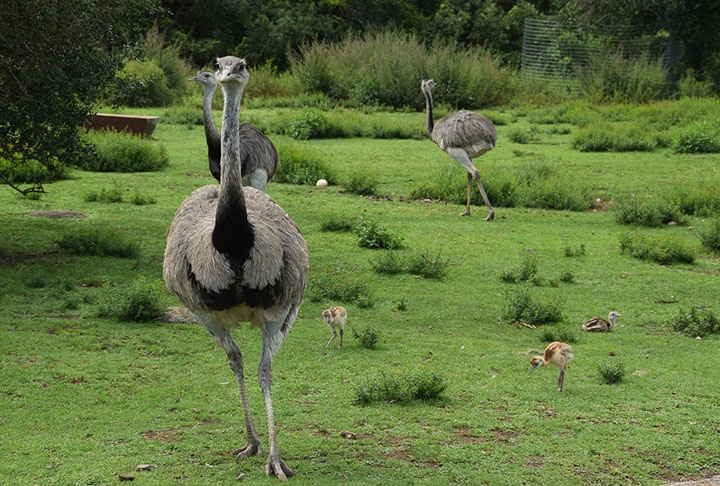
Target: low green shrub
[336,222]
[105,195]
[611,372]
[649,212]
[710,236]
[613,137]
[702,137]
[138,302]
[696,323]
[339,286]
[309,123]
[368,337]
[698,200]
[526,271]
[663,250]
[389,262]
[550,334]
[521,308]
[372,234]
[98,241]
[362,184]
[400,388]
[122,152]
[299,165]
[574,252]
[429,266]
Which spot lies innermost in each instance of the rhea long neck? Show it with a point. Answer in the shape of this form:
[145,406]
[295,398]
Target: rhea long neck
[212,136]
[233,234]
[429,109]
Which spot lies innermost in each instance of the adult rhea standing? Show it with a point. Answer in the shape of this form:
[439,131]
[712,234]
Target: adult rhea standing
[257,153]
[463,135]
[233,255]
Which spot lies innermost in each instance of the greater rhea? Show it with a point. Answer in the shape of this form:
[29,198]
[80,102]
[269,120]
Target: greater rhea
[463,135]
[335,318]
[232,256]
[598,324]
[556,353]
[257,153]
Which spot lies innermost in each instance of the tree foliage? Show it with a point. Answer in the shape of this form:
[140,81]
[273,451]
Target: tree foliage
[55,57]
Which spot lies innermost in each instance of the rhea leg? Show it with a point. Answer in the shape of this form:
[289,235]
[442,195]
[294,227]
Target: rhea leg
[461,156]
[235,359]
[274,334]
[561,378]
[333,337]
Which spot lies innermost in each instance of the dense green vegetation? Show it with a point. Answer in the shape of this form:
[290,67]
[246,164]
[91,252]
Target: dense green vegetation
[431,385]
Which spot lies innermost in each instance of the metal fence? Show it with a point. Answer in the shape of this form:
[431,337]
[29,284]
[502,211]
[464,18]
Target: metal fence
[558,52]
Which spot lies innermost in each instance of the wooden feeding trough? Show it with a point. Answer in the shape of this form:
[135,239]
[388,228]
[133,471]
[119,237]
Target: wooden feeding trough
[135,124]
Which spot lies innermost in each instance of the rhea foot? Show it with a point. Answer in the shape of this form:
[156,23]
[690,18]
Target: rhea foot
[276,467]
[250,449]
[490,216]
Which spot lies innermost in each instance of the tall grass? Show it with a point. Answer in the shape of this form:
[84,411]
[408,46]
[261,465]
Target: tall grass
[385,68]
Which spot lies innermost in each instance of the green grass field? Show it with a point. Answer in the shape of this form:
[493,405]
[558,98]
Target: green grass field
[87,398]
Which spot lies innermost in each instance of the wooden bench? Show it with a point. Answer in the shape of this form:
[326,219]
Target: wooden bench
[135,124]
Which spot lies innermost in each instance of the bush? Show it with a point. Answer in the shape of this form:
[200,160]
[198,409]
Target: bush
[698,200]
[574,252]
[339,286]
[400,388]
[698,138]
[526,271]
[298,165]
[309,123]
[696,323]
[362,184]
[140,302]
[99,241]
[613,137]
[612,372]
[389,263]
[649,212]
[710,236]
[368,337]
[611,77]
[418,263]
[122,152]
[522,309]
[334,222]
[662,250]
[372,234]
[550,334]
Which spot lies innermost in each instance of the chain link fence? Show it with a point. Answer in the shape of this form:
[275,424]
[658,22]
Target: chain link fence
[557,53]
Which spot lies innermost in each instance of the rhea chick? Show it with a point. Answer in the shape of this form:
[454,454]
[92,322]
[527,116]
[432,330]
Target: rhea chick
[598,324]
[556,353]
[335,317]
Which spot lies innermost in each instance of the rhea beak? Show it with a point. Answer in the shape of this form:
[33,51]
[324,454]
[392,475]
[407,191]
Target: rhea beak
[532,368]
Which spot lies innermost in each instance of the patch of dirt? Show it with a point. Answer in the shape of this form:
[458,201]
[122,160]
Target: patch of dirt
[709,481]
[57,213]
[169,435]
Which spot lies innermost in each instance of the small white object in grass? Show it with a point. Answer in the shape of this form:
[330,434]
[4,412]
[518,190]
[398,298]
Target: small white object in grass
[321,183]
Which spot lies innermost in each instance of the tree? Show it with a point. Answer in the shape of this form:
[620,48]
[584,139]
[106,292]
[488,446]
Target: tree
[55,58]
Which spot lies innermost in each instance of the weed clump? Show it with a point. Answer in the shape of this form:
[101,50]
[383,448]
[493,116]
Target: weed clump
[418,263]
[699,138]
[121,152]
[550,334]
[372,234]
[368,337]
[401,389]
[612,372]
[526,271]
[362,184]
[103,242]
[298,166]
[647,212]
[336,223]
[139,302]
[338,286]
[710,237]
[664,251]
[523,309]
[696,323]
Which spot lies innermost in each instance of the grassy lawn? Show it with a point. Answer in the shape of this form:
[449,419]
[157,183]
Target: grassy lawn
[85,398]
